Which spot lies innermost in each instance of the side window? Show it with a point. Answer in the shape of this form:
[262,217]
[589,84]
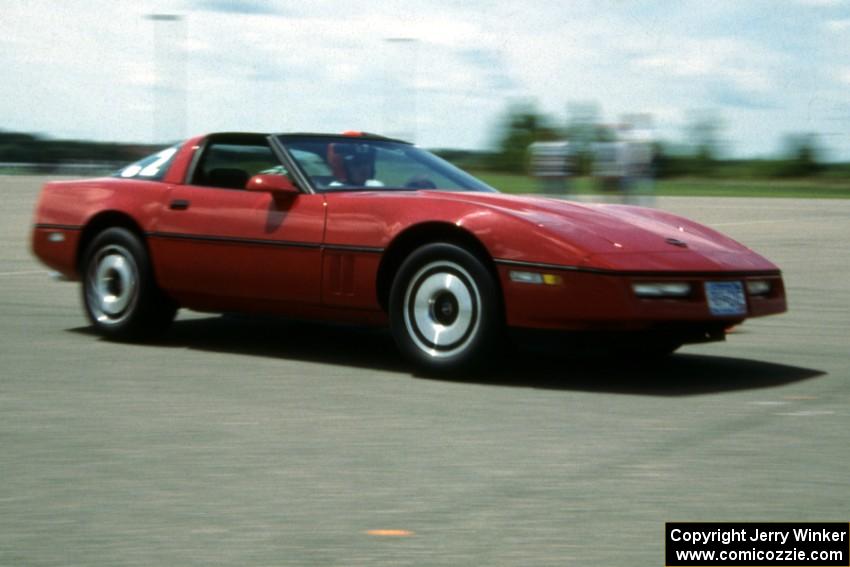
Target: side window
[230,166]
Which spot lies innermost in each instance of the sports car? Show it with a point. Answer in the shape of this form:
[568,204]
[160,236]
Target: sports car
[366,229]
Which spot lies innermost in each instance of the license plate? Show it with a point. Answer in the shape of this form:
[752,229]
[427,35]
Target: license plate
[726,298]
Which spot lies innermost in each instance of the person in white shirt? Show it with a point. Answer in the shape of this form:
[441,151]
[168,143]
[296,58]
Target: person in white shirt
[551,166]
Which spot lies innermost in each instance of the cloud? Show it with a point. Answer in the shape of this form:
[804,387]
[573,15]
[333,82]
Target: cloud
[745,66]
[236,6]
[490,64]
[726,95]
[823,3]
[838,25]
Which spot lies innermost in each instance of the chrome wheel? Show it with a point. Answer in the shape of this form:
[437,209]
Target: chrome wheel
[119,292]
[445,309]
[112,284]
[441,309]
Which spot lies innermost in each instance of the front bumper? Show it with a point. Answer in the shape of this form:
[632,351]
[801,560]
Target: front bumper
[605,300]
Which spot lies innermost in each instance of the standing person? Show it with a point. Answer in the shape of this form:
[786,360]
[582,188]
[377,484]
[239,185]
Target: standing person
[551,165]
[607,161]
[626,162]
[643,162]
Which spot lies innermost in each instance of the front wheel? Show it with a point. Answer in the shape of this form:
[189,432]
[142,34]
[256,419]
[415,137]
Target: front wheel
[445,311]
[120,296]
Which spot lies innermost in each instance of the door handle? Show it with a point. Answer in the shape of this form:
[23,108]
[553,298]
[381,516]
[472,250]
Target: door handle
[179,205]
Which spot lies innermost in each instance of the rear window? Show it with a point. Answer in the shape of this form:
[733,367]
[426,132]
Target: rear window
[153,167]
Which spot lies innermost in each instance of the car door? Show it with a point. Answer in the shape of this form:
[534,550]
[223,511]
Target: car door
[219,246]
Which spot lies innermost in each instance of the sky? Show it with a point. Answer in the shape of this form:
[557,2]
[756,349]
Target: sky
[439,72]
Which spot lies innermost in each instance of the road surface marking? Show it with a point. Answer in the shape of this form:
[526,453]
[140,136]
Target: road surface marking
[390,533]
[808,413]
[24,273]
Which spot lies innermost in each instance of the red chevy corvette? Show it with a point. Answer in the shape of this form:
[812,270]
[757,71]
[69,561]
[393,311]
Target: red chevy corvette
[366,229]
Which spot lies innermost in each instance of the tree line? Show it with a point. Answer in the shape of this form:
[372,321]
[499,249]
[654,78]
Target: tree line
[700,154]
[521,124]
[19,147]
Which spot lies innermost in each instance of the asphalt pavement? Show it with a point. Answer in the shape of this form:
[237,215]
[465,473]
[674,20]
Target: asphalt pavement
[261,442]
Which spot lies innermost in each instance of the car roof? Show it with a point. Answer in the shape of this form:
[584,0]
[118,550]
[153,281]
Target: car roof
[344,135]
[251,136]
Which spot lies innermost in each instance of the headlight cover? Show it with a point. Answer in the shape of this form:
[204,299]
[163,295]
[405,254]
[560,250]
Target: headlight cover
[661,289]
[758,287]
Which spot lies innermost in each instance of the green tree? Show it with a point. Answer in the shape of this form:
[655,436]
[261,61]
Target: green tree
[702,133]
[801,156]
[583,131]
[521,126]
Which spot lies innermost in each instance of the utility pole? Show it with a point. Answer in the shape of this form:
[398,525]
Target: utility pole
[399,116]
[170,108]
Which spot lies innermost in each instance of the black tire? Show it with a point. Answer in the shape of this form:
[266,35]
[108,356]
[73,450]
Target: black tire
[120,296]
[445,309]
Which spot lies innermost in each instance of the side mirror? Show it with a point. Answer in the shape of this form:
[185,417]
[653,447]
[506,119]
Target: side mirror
[272,183]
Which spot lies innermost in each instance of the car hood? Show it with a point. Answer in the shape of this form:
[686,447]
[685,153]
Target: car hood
[624,237]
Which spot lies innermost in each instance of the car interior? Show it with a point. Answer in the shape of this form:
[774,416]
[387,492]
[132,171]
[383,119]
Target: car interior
[230,163]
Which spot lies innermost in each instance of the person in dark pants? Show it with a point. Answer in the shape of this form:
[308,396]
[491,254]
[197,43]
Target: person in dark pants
[551,166]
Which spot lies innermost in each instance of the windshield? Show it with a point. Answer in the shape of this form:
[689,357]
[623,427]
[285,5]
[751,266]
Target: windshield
[352,164]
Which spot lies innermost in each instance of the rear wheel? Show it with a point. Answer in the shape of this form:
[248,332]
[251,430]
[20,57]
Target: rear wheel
[120,296]
[445,311]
